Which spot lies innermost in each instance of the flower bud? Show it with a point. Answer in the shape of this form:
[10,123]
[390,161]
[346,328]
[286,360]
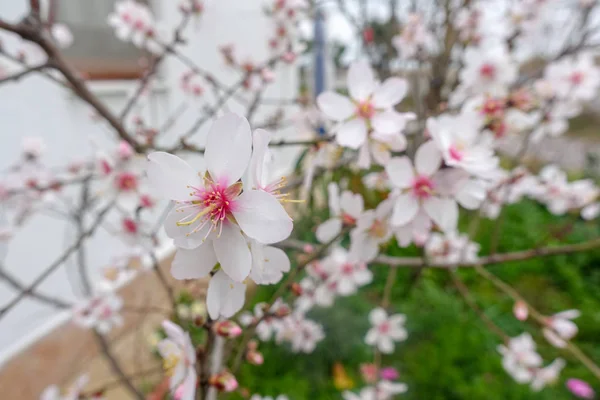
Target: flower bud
[255,357]
[520,310]
[227,329]
[296,289]
[224,381]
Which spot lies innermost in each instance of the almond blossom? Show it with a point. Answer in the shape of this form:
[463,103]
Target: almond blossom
[344,210]
[385,330]
[520,358]
[100,312]
[421,188]
[487,70]
[134,22]
[451,248]
[414,38]
[559,328]
[547,375]
[576,78]
[215,214]
[461,144]
[348,273]
[371,106]
[303,334]
[179,361]
[373,228]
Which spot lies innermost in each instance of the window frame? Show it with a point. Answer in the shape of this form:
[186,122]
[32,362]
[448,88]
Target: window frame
[101,73]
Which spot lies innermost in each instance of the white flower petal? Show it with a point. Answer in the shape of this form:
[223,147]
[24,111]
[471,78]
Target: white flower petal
[335,106]
[224,297]
[329,229]
[428,159]
[352,134]
[385,345]
[228,148]
[262,217]
[361,80]
[390,93]
[233,253]
[444,212]
[400,172]
[377,316]
[170,177]
[389,122]
[193,264]
[405,209]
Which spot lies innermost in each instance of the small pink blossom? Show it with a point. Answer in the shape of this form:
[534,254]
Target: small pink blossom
[580,388]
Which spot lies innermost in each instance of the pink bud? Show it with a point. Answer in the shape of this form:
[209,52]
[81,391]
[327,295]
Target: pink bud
[308,248]
[389,374]
[125,150]
[227,329]
[369,372]
[267,75]
[520,310]
[224,381]
[146,201]
[580,388]
[255,357]
[289,57]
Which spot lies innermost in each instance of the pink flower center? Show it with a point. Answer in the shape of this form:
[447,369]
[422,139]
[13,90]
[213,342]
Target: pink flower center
[216,202]
[347,269]
[130,226]
[365,110]
[126,181]
[422,187]
[455,153]
[384,327]
[487,71]
[348,219]
[493,107]
[139,25]
[577,78]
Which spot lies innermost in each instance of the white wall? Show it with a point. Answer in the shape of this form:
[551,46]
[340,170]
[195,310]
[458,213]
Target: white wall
[36,106]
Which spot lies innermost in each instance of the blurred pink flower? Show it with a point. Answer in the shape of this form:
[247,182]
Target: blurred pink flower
[389,374]
[580,388]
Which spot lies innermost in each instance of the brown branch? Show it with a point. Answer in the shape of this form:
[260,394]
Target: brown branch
[58,262]
[12,281]
[153,69]
[468,297]
[419,262]
[22,74]
[116,367]
[33,33]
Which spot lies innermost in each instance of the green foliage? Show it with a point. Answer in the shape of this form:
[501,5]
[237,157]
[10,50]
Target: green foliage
[450,354]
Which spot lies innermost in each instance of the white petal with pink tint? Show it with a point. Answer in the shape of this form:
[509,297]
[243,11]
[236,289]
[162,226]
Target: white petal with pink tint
[262,217]
[428,159]
[170,176]
[406,207]
[390,93]
[328,230]
[335,106]
[389,122]
[195,263]
[400,172]
[224,297]
[361,80]
[444,212]
[233,253]
[228,148]
[352,133]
